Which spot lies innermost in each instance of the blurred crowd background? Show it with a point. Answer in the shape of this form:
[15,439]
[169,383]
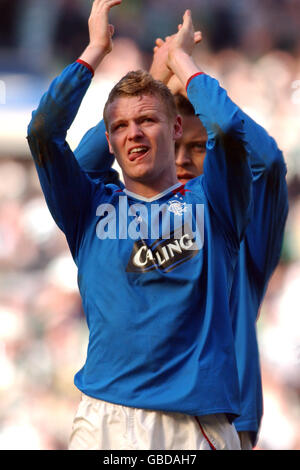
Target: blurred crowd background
[253,48]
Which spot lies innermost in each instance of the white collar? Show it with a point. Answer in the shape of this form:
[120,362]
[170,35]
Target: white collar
[154,198]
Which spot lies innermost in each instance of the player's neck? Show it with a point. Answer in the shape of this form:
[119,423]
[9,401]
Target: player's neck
[149,189]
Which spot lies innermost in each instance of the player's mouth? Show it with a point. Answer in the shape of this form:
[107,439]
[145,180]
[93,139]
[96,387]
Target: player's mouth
[138,152]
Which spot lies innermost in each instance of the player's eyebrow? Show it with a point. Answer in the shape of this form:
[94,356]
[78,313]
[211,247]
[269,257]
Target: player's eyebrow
[147,115]
[116,123]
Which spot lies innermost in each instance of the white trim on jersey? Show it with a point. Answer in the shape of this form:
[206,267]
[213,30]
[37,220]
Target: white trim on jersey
[154,198]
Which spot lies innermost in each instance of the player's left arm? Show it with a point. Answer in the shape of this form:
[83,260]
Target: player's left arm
[227,180]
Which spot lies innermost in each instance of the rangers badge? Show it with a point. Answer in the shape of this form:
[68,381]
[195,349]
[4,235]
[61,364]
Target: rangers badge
[178,208]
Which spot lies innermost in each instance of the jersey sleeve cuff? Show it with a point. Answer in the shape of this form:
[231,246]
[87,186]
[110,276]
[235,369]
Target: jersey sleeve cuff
[191,78]
[88,66]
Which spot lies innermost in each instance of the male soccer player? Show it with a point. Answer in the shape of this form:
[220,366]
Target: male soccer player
[160,371]
[260,249]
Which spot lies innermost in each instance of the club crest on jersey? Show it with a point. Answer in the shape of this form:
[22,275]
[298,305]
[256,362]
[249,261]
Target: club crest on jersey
[163,254]
[177,207]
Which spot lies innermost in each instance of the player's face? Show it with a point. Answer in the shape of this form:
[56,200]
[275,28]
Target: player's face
[190,149]
[142,137]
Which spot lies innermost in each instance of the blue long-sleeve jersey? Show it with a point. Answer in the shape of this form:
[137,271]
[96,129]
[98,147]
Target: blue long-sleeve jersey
[157,307]
[259,250]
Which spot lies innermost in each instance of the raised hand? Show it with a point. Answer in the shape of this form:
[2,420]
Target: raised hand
[100,32]
[159,68]
[181,46]
[184,40]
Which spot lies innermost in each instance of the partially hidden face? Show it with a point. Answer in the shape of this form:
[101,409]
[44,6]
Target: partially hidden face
[142,137]
[190,149]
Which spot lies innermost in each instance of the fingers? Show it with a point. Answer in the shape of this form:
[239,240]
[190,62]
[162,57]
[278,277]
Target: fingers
[100,30]
[105,4]
[197,37]
[187,19]
[113,3]
[111,29]
[159,42]
[108,3]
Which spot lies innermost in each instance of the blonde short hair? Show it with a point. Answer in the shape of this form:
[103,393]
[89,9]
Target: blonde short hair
[138,83]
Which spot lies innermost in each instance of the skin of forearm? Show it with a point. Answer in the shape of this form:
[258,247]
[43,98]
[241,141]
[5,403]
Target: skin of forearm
[93,55]
[183,65]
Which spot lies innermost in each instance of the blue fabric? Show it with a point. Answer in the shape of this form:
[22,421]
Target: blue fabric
[158,312]
[259,250]
[94,157]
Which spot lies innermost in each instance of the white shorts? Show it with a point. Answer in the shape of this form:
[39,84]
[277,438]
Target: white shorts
[99,425]
[245,440]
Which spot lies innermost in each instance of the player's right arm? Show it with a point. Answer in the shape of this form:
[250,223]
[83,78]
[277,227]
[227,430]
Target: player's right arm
[92,152]
[67,189]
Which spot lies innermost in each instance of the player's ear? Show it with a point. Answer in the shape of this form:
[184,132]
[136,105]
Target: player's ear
[108,141]
[177,128]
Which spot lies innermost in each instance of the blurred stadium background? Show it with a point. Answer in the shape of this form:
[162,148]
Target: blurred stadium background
[253,48]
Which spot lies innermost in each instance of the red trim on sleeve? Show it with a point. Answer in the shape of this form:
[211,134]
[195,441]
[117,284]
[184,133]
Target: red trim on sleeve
[88,66]
[191,78]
